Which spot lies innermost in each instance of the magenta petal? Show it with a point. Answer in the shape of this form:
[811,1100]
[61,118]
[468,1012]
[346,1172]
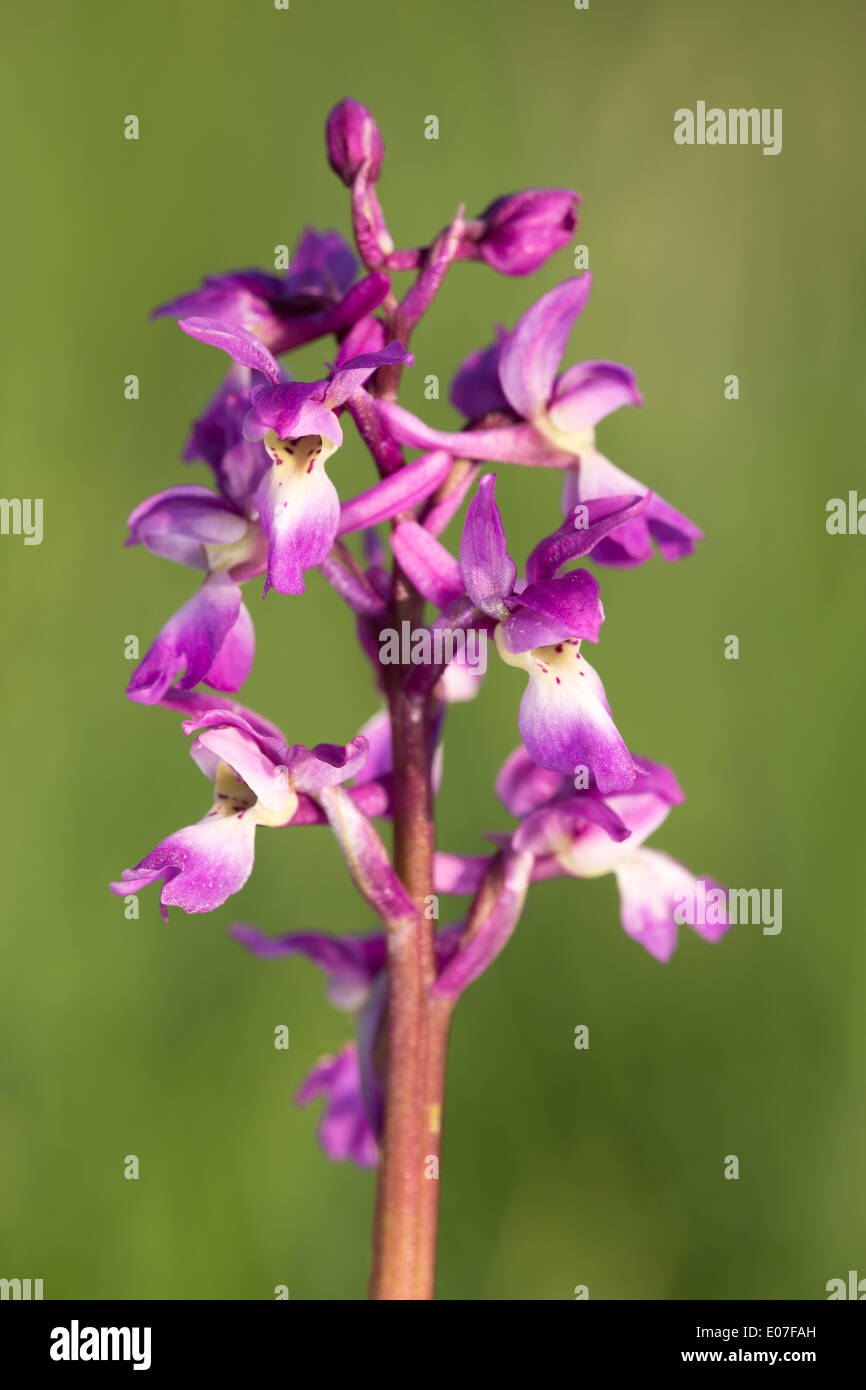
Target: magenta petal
[485,946]
[350,962]
[200,706]
[659,780]
[533,350]
[565,723]
[179,522]
[554,609]
[327,764]
[488,570]
[344,1132]
[292,409]
[250,758]
[503,444]
[323,266]
[522,786]
[397,493]
[234,660]
[543,832]
[367,859]
[590,391]
[202,865]
[299,511]
[432,569]
[652,886]
[595,848]
[596,477]
[380,757]
[459,873]
[476,389]
[583,531]
[241,345]
[352,374]
[190,642]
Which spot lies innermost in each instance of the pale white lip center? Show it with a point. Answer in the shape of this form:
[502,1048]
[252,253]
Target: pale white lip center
[569,442]
[234,798]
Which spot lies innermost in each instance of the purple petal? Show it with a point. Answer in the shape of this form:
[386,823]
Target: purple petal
[217,437]
[259,735]
[503,444]
[543,832]
[180,521]
[651,885]
[199,706]
[674,533]
[476,389]
[459,873]
[367,859]
[432,569]
[553,610]
[190,642]
[322,266]
[593,849]
[352,375]
[292,410]
[299,511]
[234,660]
[380,757]
[522,786]
[532,352]
[351,962]
[488,570]
[202,865]
[251,765]
[344,1129]
[245,298]
[586,526]
[485,946]
[397,493]
[564,720]
[241,345]
[326,765]
[590,391]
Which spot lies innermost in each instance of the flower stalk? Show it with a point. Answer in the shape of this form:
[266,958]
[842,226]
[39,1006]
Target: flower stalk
[581,801]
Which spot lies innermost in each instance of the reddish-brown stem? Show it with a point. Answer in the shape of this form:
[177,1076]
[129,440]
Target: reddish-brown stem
[404,1238]
[438,1020]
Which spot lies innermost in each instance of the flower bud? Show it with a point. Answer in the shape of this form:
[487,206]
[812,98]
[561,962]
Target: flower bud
[516,234]
[353,138]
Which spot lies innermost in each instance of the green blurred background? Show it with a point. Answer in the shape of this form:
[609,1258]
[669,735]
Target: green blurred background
[560,1167]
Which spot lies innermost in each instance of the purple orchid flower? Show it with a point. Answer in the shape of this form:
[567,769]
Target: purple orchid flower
[257,780]
[315,297]
[298,504]
[564,716]
[583,804]
[585,834]
[548,420]
[211,638]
